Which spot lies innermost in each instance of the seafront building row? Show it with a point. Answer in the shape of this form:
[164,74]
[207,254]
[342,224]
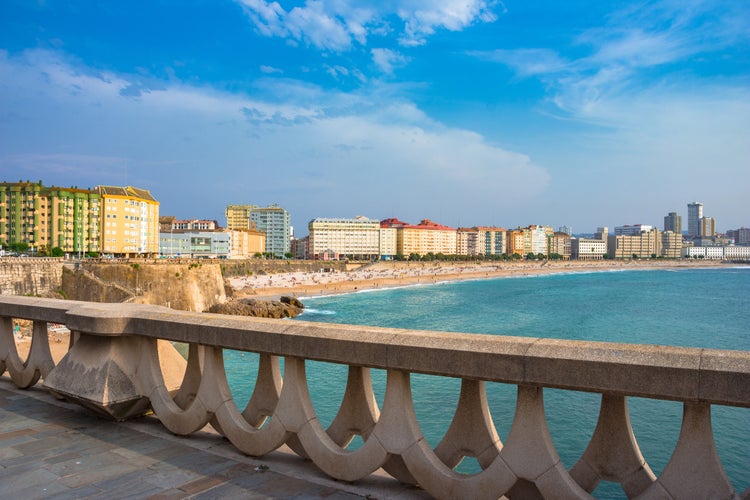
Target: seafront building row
[125,222]
[106,219]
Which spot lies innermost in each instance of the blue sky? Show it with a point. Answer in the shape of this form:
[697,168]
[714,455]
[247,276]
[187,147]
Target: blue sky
[466,112]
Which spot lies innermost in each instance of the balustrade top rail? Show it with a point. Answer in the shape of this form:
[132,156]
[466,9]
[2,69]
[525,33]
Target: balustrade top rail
[662,372]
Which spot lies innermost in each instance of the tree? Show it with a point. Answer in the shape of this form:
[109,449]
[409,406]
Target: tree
[57,252]
[530,256]
[414,256]
[289,255]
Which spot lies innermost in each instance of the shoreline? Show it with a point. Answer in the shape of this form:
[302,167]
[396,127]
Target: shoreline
[387,275]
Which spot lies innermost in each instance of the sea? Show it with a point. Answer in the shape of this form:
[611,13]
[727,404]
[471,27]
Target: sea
[693,307]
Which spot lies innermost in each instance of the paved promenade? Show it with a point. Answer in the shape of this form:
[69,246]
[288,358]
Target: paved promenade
[53,449]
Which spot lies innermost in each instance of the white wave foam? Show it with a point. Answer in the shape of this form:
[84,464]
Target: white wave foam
[322,312]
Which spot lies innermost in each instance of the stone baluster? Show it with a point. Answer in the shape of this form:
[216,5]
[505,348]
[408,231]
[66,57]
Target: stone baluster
[38,363]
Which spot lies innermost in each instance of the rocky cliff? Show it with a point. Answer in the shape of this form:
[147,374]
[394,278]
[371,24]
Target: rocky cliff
[185,286]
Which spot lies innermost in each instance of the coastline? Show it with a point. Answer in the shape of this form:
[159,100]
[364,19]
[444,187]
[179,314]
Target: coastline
[399,274]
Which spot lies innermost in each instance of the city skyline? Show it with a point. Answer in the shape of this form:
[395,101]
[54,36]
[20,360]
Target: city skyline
[478,113]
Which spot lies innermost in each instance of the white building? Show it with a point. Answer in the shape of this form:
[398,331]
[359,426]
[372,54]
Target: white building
[276,223]
[588,248]
[634,230]
[196,244]
[717,253]
[357,238]
[736,253]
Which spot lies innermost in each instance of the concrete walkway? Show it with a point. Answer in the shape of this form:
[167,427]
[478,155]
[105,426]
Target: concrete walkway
[53,449]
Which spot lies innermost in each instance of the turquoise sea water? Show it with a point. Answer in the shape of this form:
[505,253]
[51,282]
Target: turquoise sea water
[685,307]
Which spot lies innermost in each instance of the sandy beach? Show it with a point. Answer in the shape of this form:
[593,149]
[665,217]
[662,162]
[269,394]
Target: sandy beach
[394,274]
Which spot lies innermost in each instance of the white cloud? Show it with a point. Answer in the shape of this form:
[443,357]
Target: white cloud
[387,60]
[320,154]
[270,70]
[423,17]
[525,62]
[338,25]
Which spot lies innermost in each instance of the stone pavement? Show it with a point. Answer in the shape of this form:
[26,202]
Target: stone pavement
[54,449]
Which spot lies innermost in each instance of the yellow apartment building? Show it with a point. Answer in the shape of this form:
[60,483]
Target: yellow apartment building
[238,216]
[129,221]
[246,243]
[423,238]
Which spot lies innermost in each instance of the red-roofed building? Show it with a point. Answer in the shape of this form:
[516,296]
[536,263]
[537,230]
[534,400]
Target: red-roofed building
[423,238]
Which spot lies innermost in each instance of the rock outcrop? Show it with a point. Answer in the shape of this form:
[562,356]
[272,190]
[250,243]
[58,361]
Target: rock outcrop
[285,307]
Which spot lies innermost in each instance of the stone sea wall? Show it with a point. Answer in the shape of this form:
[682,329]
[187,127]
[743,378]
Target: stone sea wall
[26,276]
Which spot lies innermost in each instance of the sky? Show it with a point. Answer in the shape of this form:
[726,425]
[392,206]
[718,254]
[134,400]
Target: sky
[465,112]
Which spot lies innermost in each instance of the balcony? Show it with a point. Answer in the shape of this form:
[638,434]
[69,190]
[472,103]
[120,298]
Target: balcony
[128,374]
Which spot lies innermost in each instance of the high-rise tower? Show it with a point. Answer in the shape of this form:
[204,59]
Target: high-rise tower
[673,222]
[695,213]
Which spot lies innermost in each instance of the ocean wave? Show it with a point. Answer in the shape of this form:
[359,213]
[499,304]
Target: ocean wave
[322,312]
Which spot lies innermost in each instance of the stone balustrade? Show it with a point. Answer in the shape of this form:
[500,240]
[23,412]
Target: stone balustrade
[115,365]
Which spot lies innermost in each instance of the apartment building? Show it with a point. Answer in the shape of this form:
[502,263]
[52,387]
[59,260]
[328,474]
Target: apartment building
[388,242]
[276,223]
[423,238]
[624,246]
[531,239]
[740,236]
[272,220]
[671,245]
[246,243]
[50,217]
[130,221]
[357,238]
[238,216]
[560,244]
[707,227]
[480,240]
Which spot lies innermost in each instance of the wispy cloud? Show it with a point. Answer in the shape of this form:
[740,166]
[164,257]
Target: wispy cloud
[340,25]
[270,70]
[525,62]
[387,60]
[636,48]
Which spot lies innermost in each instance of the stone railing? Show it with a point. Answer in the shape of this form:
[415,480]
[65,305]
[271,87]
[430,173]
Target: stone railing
[115,366]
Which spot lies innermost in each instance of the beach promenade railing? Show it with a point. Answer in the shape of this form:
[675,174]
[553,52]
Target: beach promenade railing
[115,366]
